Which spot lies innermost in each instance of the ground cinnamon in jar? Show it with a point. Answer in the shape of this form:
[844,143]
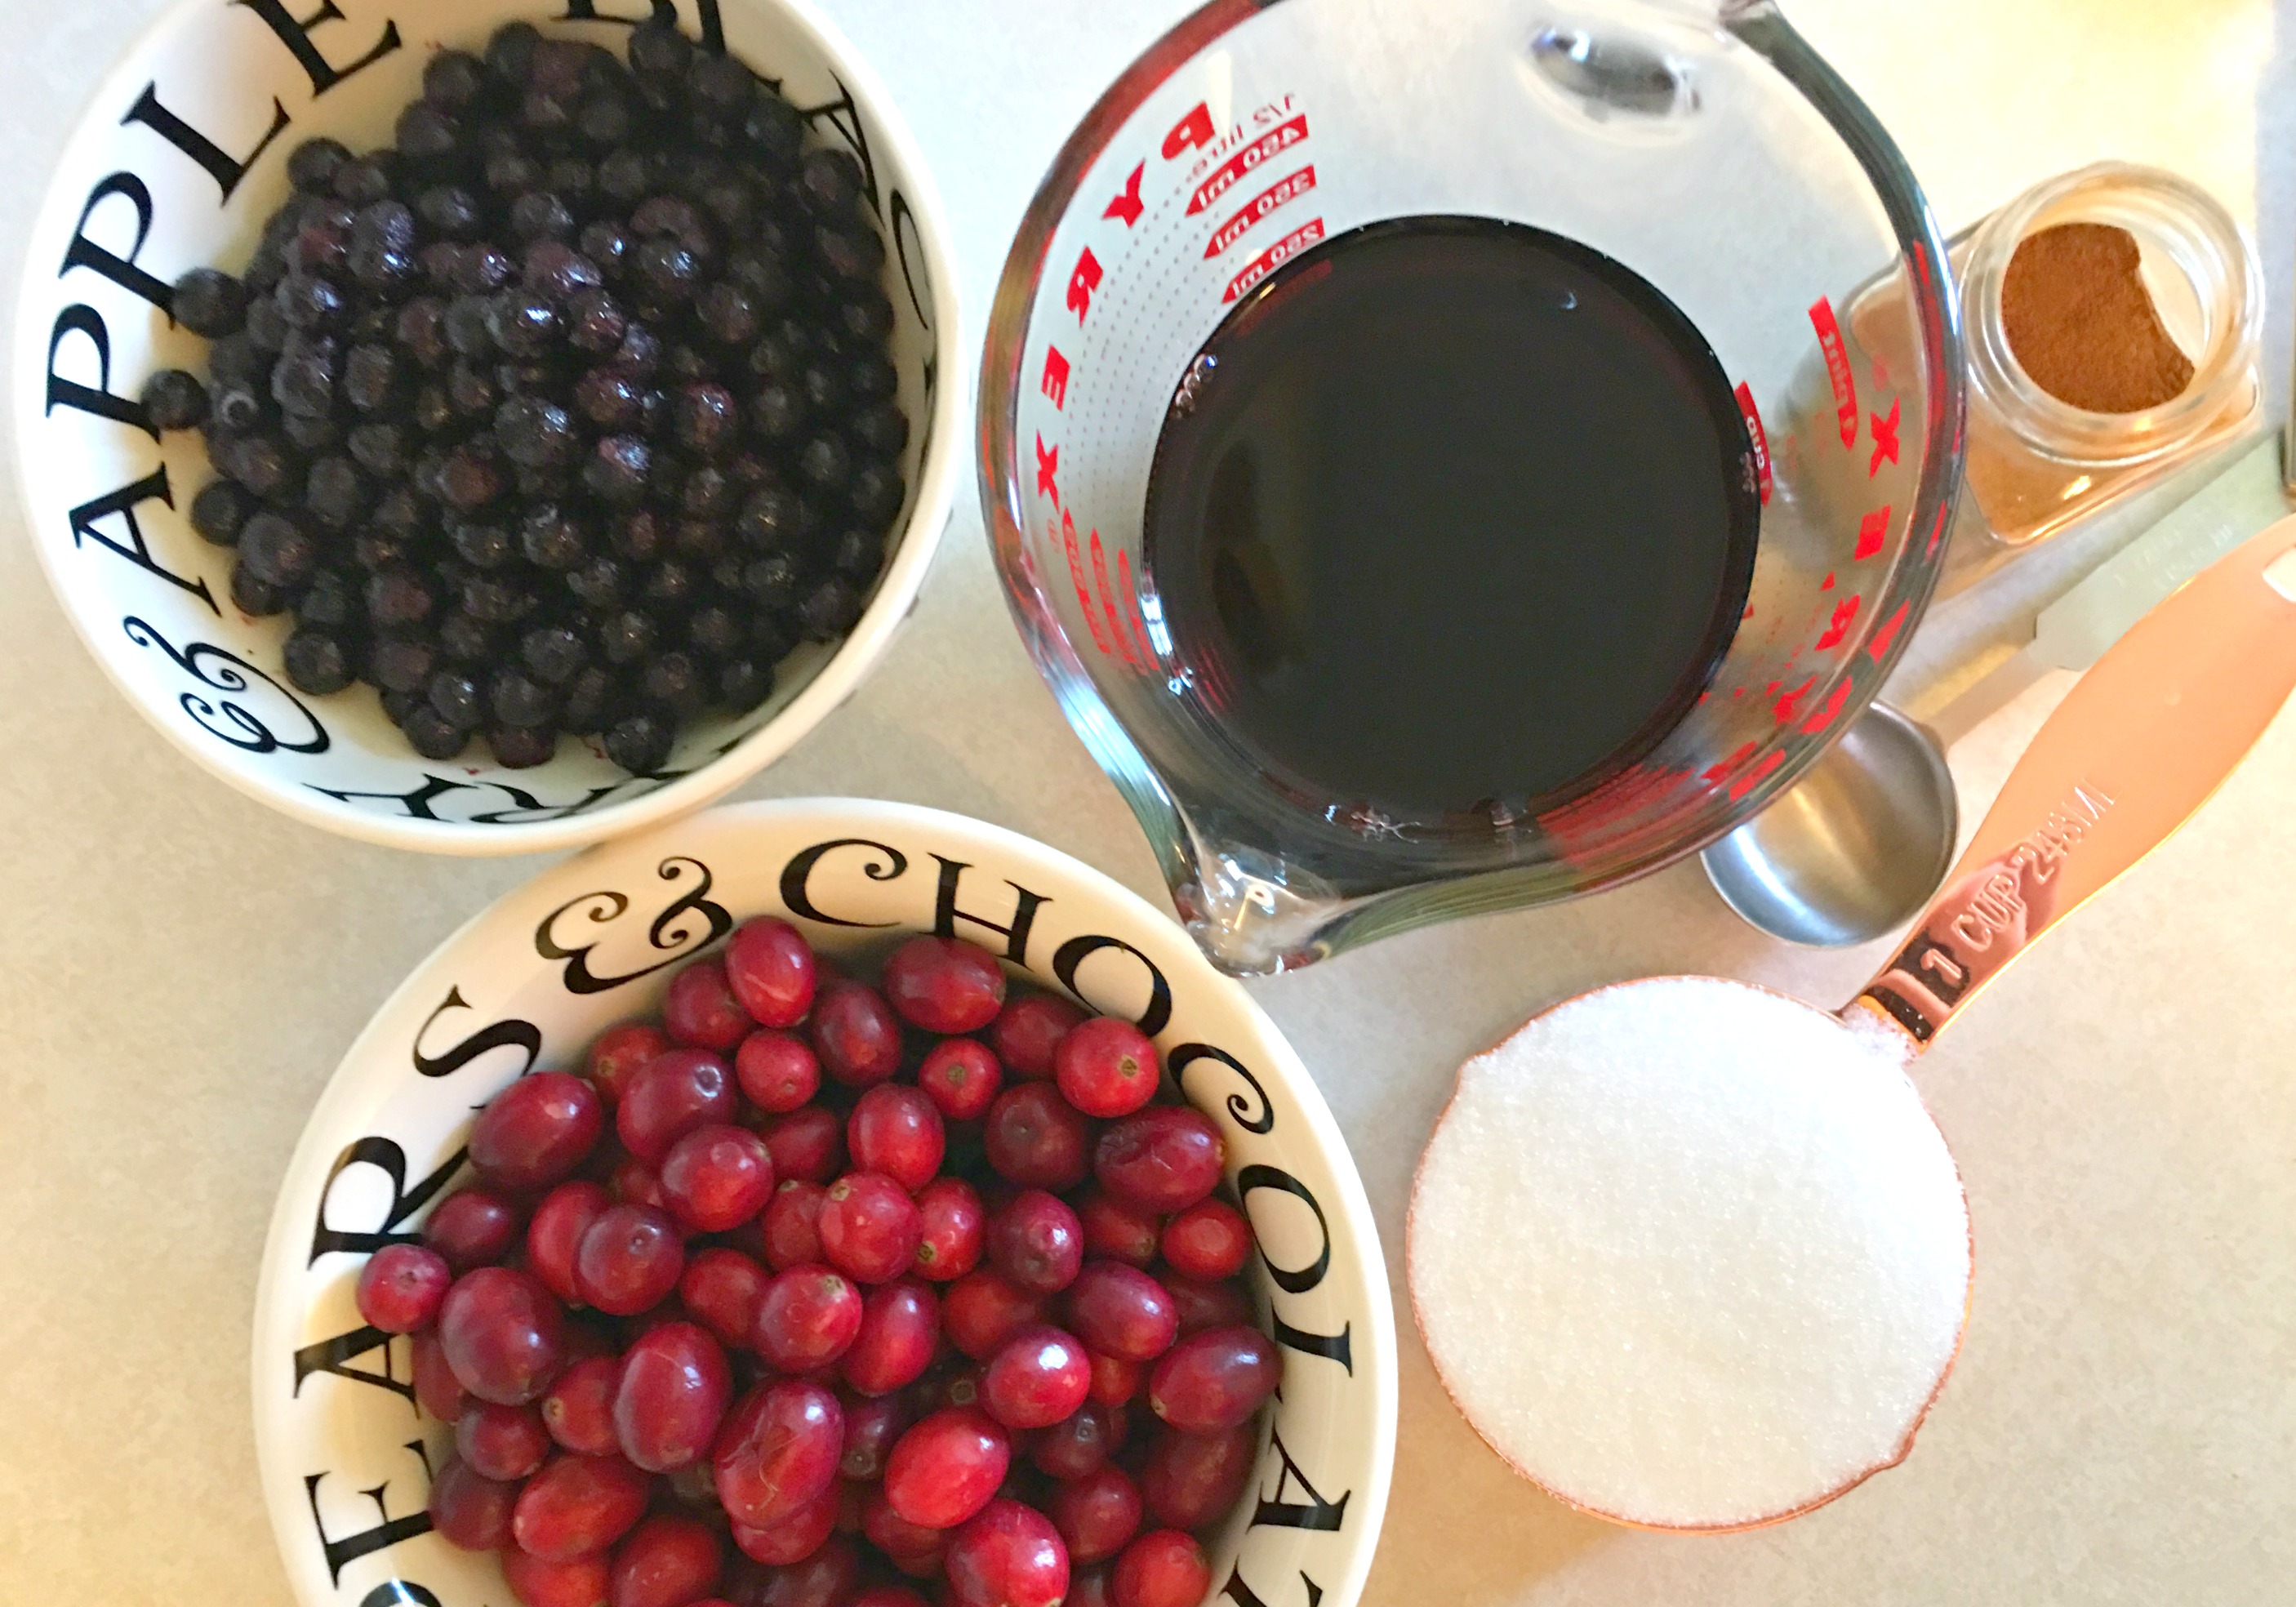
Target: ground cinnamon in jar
[2081,323]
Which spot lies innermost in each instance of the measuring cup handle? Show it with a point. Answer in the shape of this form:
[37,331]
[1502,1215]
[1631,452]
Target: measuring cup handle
[2139,743]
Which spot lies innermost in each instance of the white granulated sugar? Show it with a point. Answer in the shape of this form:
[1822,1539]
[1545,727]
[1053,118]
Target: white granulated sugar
[1689,1254]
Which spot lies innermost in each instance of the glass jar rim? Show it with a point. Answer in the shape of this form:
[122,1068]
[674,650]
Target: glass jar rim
[2178,206]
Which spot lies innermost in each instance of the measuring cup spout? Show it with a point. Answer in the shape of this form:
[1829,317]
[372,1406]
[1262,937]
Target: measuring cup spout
[2140,742]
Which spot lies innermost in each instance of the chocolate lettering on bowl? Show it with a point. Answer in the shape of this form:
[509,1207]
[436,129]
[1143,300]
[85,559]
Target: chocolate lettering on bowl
[225,671]
[798,900]
[842,115]
[82,320]
[122,271]
[945,914]
[122,505]
[713,25]
[386,1156]
[399,1593]
[1070,957]
[341,1553]
[1252,1178]
[1314,1512]
[221,165]
[1240,1113]
[296,36]
[1243,1596]
[510,1034]
[335,1355]
[669,935]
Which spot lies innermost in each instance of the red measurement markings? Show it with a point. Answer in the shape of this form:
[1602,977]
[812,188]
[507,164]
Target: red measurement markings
[1131,609]
[1825,717]
[1275,257]
[1870,531]
[1885,439]
[1888,633]
[1754,433]
[1258,208]
[1128,204]
[1790,703]
[1936,533]
[1075,573]
[1839,628]
[1223,178]
[1055,382]
[1107,603]
[1837,367]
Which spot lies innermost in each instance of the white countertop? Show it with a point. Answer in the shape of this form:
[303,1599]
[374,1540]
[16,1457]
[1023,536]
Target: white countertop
[185,967]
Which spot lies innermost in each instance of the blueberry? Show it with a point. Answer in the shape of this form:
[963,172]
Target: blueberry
[317,662]
[589,698]
[277,551]
[604,121]
[218,512]
[517,699]
[311,432]
[715,633]
[627,637]
[493,602]
[482,270]
[849,251]
[515,748]
[558,272]
[433,735]
[597,583]
[608,399]
[825,387]
[702,540]
[669,584]
[865,315]
[623,177]
[778,412]
[364,180]
[619,470]
[252,594]
[380,449]
[401,663]
[472,391]
[832,608]
[174,399]
[540,215]
[709,492]
[401,706]
[511,173]
[420,329]
[432,409]
[303,381]
[522,323]
[882,429]
[375,549]
[328,603]
[210,303]
[595,322]
[266,327]
[458,699]
[638,536]
[707,419]
[256,462]
[675,681]
[428,133]
[772,581]
[465,639]
[369,375]
[397,598]
[550,539]
[553,653]
[640,743]
[382,270]
[670,270]
[773,519]
[824,462]
[469,480]
[510,54]
[333,492]
[534,432]
[453,80]
[313,164]
[469,325]
[857,556]
[743,683]
[830,182]
[450,211]
[658,50]
[484,546]
[876,493]
[774,130]
[640,352]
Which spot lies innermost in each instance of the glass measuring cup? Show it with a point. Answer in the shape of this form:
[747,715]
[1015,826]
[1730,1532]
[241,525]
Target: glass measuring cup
[1704,147]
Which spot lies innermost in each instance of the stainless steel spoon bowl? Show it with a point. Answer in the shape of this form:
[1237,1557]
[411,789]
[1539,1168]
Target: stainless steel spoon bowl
[1857,846]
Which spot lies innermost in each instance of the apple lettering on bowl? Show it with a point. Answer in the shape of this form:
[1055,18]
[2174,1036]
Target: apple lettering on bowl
[181,157]
[347,1461]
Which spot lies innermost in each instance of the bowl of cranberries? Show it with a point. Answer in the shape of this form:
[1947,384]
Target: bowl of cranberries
[823,1204]
[484,425]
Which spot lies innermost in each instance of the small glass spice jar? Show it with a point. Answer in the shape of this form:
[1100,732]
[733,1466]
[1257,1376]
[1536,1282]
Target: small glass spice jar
[2036,463]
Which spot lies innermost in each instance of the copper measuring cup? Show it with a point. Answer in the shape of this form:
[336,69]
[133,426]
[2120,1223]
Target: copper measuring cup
[2142,740]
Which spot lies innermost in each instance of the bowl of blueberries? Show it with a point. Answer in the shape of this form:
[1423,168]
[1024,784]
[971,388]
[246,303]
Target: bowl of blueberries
[822,1203]
[484,427]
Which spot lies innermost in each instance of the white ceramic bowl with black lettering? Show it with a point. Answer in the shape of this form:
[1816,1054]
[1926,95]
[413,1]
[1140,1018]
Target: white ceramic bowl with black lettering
[529,983]
[174,165]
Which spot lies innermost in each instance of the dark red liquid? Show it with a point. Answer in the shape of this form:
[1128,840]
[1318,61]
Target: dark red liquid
[1463,512]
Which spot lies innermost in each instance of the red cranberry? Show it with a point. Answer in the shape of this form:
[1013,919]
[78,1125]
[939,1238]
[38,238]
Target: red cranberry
[472,1228]
[618,1053]
[1039,1377]
[671,1095]
[630,1258]
[555,1234]
[1166,1157]
[469,1509]
[857,1035]
[501,1333]
[721,1289]
[1091,1588]
[538,1582]
[669,1560]
[1106,1067]
[1118,1228]
[673,1392]
[778,1451]
[951,1232]
[579,1411]
[796,1536]
[1209,1239]
[1026,1030]
[945,1469]
[536,1131]
[900,1325]
[983,1309]
[700,1009]
[778,1073]
[1215,1380]
[1009,1556]
[634,1183]
[961,1077]
[896,1130]
[501,1442]
[872,1424]
[1191,1480]
[954,1383]
[1038,1139]
[1115,1380]
[807,1319]
[807,1145]
[1202,1305]
[944,985]
[869,1226]
[402,1287]
[827,1579]
[791,1230]
[577,1507]
[1161,1569]
[1097,1513]
[716,1177]
[1121,1311]
[771,968]
[895,1536]
[1037,1242]
[437,1390]
[1080,1442]
[887,1595]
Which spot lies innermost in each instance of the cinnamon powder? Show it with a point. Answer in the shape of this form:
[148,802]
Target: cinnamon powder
[2082,325]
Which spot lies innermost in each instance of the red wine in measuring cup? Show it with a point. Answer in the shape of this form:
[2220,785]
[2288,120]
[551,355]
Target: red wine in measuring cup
[1458,513]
